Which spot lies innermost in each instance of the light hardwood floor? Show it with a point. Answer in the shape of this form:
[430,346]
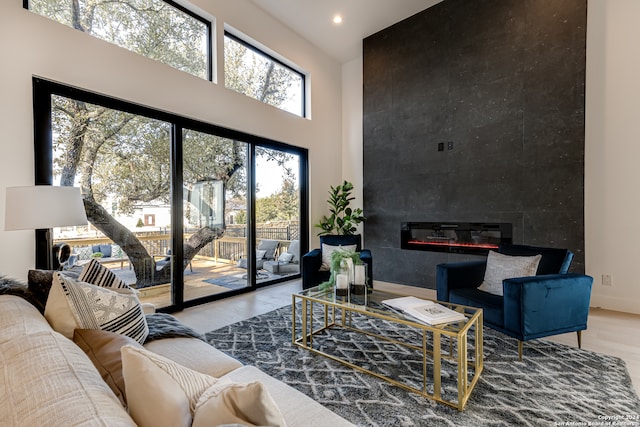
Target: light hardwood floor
[609,332]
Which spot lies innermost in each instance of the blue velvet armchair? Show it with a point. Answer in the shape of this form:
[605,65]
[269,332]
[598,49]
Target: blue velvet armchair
[551,302]
[311,262]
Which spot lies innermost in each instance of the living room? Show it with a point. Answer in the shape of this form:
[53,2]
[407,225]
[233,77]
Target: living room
[333,131]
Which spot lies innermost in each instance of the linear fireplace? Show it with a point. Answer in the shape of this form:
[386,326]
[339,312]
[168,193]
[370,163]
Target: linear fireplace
[455,237]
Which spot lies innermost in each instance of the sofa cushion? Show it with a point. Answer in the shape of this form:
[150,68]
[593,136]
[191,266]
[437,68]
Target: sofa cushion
[46,380]
[500,267]
[194,354]
[296,408]
[78,305]
[103,348]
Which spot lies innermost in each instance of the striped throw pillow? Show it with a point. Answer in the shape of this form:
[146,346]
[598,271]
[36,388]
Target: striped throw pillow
[94,307]
[99,275]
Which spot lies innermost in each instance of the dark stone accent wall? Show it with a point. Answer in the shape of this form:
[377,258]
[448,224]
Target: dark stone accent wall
[504,82]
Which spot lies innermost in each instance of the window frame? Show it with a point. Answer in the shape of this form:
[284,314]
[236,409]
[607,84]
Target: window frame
[208,23]
[238,39]
[44,89]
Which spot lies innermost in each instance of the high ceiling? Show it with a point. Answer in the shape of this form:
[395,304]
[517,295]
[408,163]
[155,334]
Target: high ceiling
[312,19]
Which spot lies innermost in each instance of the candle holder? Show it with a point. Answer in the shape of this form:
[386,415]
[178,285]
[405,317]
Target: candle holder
[343,279]
[358,286]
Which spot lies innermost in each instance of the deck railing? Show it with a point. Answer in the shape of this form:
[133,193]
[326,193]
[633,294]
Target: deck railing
[227,249]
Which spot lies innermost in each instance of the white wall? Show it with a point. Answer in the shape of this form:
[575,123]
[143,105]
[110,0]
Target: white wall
[612,149]
[33,45]
[612,153]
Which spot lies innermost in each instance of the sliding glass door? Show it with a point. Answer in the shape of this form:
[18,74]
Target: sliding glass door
[184,211]
[214,171]
[277,210]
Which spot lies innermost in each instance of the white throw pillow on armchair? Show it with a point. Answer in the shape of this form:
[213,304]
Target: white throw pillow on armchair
[327,250]
[501,267]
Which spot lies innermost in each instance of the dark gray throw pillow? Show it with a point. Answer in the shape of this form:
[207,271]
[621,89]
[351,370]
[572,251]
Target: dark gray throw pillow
[40,281]
[10,286]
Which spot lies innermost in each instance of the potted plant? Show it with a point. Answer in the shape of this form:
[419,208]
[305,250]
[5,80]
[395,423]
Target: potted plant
[343,219]
[339,263]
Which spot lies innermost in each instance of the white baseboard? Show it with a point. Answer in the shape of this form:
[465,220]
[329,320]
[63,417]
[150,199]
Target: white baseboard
[625,305]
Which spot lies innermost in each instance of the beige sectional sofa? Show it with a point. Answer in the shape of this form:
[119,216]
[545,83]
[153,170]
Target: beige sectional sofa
[46,379]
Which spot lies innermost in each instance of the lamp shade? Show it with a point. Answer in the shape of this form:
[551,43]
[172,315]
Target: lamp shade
[43,206]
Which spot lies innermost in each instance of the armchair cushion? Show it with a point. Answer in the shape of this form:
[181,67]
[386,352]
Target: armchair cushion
[328,250]
[492,305]
[285,257]
[270,247]
[294,249]
[500,267]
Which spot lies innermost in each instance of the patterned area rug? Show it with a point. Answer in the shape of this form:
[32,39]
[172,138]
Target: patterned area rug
[554,384]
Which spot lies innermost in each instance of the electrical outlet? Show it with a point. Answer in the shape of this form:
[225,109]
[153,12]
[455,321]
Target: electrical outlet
[606,280]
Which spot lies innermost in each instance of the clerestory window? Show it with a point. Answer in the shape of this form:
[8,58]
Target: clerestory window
[253,72]
[157,29]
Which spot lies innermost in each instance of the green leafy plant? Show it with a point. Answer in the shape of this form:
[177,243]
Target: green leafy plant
[343,219]
[338,257]
[97,255]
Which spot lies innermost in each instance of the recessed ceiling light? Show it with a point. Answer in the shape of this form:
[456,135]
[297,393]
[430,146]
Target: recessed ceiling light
[337,19]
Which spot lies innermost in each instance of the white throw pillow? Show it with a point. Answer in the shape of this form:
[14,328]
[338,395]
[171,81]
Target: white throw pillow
[161,393]
[501,267]
[78,305]
[327,250]
[232,403]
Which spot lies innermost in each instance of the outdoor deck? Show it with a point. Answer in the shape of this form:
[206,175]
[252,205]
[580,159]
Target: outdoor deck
[226,275]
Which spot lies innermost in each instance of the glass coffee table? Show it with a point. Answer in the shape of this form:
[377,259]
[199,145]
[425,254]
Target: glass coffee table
[450,354]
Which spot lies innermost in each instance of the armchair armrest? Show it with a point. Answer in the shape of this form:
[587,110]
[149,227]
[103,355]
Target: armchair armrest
[458,275]
[545,305]
[310,264]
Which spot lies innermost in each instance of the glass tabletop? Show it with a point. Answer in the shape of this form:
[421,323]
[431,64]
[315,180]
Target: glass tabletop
[373,303]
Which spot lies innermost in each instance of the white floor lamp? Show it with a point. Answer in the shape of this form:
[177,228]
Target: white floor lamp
[43,207]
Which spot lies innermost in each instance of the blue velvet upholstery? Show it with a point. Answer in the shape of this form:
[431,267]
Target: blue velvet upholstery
[551,302]
[311,262]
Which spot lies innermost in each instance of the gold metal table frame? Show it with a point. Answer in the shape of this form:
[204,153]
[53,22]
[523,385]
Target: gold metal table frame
[457,334]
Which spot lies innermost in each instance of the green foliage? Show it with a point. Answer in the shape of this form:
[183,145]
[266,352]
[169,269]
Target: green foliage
[241,217]
[139,223]
[97,255]
[338,258]
[281,206]
[152,28]
[343,219]
[256,76]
